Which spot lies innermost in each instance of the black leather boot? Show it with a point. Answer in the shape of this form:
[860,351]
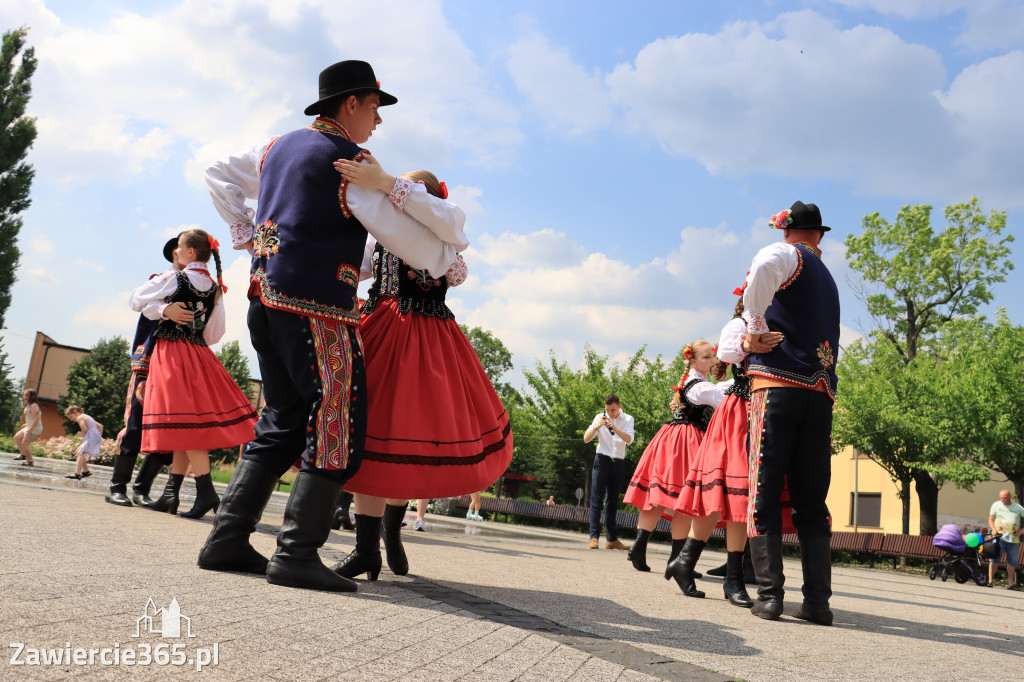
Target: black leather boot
[676,546]
[365,558]
[306,525]
[227,548]
[123,467]
[766,553]
[168,502]
[816,559]
[735,590]
[749,577]
[638,552]
[151,466]
[341,517]
[720,571]
[206,498]
[681,567]
[392,524]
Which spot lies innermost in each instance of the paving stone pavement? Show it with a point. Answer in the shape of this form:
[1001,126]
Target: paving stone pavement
[483,601]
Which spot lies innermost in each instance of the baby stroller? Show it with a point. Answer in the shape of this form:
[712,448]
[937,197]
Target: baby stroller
[959,560]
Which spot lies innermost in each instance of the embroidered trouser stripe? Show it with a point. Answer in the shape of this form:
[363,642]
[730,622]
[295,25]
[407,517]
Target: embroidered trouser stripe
[315,387]
[755,436]
[330,439]
[790,444]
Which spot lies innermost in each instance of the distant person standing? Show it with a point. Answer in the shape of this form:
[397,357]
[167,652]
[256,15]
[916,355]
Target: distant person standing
[1006,520]
[614,431]
[33,427]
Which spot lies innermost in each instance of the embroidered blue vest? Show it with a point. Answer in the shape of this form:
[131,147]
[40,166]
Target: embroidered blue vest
[806,310]
[307,247]
[142,345]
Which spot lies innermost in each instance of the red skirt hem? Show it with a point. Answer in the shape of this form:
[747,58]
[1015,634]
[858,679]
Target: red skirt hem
[660,475]
[435,425]
[190,402]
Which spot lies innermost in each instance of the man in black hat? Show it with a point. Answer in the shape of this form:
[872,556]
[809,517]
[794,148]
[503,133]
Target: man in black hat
[308,243]
[130,437]
[790,290]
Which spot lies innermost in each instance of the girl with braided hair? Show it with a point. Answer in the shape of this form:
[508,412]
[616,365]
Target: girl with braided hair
[661,473]
[191,405]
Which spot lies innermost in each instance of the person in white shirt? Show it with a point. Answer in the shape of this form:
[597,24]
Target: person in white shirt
[307,241]
[614,431]
[792,389]
[191,405]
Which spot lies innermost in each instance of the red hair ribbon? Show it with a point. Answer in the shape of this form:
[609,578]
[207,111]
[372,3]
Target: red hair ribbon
[739,291]
[444,190]
[677,388]
[715,349]
[223,287]
[214,244]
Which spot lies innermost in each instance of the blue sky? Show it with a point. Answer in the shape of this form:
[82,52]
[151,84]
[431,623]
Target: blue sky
[618,166]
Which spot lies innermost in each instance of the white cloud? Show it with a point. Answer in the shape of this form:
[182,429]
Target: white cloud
[92,265]
[236,304]
[541,292]
[42,246]
[43,278]
[909,9]
[468,198]
[986,24]
[798,97]
[108,312]
[543,247]
[207,80]
[563,94]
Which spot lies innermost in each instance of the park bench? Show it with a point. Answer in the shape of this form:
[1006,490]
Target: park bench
[873,545]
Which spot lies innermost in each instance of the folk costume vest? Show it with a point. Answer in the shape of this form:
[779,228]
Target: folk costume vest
[199,302]
[307,246]
[689,413]
[415,289]
[806,310]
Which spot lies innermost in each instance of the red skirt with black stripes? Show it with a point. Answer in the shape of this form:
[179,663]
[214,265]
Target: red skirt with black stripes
[660,474]
[435,425]
[190,402]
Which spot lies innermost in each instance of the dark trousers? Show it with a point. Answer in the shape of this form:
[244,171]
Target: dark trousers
[790,442]
[605,488]
[315,390]
[131,441]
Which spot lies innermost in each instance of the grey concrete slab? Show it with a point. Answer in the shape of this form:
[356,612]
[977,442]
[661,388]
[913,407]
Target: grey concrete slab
[498,603]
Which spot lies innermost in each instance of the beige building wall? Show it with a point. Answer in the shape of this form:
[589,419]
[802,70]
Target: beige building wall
[955,505]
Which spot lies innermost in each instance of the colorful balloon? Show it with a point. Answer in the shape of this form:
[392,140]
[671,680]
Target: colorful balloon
[973,539]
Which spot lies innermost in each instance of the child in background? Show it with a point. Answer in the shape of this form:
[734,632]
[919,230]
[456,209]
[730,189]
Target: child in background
[33,427]
[92,437]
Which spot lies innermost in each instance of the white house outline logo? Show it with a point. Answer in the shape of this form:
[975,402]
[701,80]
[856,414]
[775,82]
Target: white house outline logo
[170,621]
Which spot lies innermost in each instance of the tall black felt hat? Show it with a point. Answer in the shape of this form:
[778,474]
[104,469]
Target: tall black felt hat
[348,78]
[801,217]
[170,246]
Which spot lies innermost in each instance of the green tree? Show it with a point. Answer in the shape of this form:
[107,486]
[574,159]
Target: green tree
[905,417]
[98,383]
[10,396]
[494,356]
[17,133]
[230,355]
[990,365]
[915,281]
[563,402]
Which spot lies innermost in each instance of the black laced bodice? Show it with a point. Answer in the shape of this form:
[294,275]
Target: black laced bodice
[415,289]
